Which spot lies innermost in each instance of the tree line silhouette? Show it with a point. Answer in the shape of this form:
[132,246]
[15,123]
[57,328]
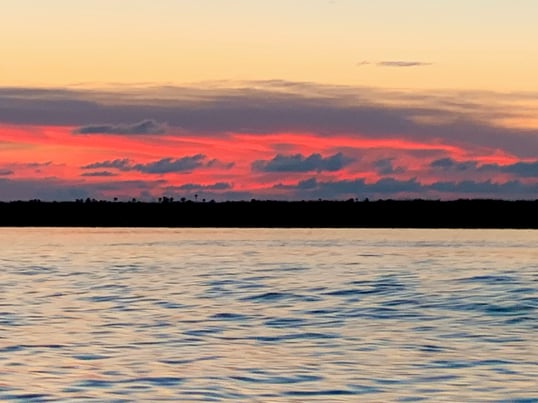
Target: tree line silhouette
[266,213]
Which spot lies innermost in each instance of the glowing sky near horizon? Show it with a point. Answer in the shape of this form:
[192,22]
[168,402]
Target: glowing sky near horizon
[282,99]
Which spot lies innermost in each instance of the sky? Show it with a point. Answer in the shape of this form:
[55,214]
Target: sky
[280,99]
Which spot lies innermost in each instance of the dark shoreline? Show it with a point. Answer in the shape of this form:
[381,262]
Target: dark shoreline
[275,214]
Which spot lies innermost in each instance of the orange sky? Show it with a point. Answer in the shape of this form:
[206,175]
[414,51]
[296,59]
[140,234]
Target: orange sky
[239,99]
[237,164]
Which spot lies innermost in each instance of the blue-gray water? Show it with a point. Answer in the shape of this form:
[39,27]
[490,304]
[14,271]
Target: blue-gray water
[273,315]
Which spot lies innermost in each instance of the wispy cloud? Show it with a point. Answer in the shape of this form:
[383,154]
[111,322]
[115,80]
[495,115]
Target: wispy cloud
[393,63]
[99,174]
[39,164]
[401,63]
[147,126]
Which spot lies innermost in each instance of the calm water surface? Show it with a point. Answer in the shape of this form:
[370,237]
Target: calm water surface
[268,315]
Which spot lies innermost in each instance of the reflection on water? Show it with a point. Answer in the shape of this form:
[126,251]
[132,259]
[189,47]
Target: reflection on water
[268,315]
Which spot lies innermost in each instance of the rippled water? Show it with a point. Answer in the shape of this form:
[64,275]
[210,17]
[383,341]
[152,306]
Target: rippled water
[268,315]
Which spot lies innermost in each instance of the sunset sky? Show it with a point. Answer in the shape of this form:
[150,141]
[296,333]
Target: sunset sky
[279,99]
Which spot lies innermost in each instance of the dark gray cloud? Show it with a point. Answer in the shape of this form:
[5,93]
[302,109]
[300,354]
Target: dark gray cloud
[220,191]
[308,189]
[54,189]
[39,164]
[520,169]
[48,189]
[502,190]
[443,163]
[6,172]
[310,183]
[169,165]
[215,163]
[394,186]
[411,188]
[123,187]
[300,163]
[278,106]
[195,186]
[314,189]
[451,164]
[146,126]
[120,164]
[385,167]
[99,173]
[401,63]
[162,166]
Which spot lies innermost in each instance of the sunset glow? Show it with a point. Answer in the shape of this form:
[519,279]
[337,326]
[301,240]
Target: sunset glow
[281,100]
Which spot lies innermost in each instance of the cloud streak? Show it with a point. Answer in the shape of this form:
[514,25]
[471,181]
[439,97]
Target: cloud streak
[195,186]
[146,126]
[99,174]
[120,164]
[300,163]
[161,166]
[402,63]
[170,165]
[411,188]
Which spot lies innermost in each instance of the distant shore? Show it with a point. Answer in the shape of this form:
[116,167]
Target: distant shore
[274,214]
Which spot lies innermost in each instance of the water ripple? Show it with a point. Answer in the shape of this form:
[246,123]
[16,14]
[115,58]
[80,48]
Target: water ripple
[258,315]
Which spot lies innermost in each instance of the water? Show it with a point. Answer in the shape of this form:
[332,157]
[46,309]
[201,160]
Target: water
[268,315]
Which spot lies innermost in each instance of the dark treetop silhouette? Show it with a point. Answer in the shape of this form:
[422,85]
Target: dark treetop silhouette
[255,213]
